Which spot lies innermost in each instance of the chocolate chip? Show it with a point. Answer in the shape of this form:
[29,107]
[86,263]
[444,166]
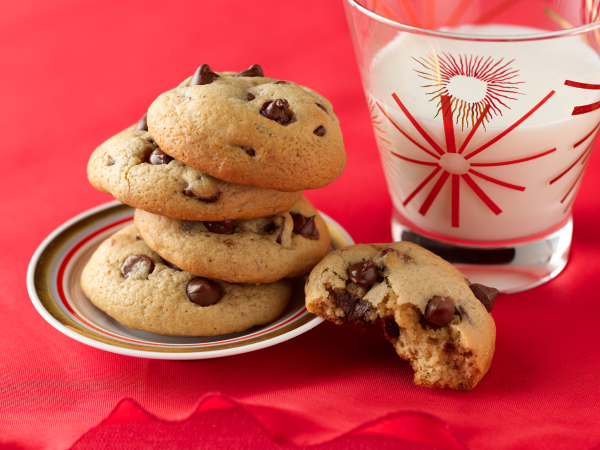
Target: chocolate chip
[191,194]
[223,227]
[253,71]
[158,157]
[361,308]
[305,226]
[136,263]
[202,76]
[322,107]
[280,82]
[249,150]
[439,312]
[272,228]
[354,307]
[486,295]
[391,328]
[153,142]
[320,131]
[250,97]
[277,110]
[171,265]
[203,292]
[110,161]
[449,347]
[363,273]
[142,124]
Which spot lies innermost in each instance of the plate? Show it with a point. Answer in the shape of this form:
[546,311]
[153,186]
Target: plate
[53,285]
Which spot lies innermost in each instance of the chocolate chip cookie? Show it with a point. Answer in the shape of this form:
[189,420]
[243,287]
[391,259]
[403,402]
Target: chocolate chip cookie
[137,172]
[261,250]
[135,286]
[249,129]
[425,307]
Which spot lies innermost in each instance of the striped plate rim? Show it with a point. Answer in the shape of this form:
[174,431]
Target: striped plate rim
[54,258]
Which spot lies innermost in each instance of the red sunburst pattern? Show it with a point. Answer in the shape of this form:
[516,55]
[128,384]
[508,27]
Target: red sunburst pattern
[437,157]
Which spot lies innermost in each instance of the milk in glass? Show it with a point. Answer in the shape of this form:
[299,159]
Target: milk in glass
[484,141]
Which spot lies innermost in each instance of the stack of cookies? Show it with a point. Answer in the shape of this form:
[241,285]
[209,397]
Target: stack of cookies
[215,170]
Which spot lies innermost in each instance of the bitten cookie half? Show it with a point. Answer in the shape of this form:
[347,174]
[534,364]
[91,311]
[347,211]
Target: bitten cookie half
[264,250]
[135,286]
[132,168]
[251,130]
[425,307]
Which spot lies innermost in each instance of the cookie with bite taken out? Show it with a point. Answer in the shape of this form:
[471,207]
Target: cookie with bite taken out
[434,317]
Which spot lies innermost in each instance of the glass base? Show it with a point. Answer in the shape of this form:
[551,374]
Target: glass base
[510,268]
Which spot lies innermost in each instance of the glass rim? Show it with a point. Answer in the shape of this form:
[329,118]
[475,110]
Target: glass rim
[476,37]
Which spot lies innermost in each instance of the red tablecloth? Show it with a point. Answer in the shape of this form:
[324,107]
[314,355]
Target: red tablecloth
[74,73]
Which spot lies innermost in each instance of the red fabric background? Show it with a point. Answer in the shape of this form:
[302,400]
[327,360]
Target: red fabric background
[74,73]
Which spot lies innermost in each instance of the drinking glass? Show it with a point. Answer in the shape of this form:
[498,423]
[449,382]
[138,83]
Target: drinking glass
[485,114]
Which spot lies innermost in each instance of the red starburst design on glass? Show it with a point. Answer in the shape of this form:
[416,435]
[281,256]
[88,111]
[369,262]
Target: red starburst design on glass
[451,156]
[489,84]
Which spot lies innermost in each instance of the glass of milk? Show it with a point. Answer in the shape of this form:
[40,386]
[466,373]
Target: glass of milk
[485,114]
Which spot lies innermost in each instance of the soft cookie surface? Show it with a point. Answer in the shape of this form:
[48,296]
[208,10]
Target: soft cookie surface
[426,308]
[251,130]
[262,250]
[131,167]
[135,286]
